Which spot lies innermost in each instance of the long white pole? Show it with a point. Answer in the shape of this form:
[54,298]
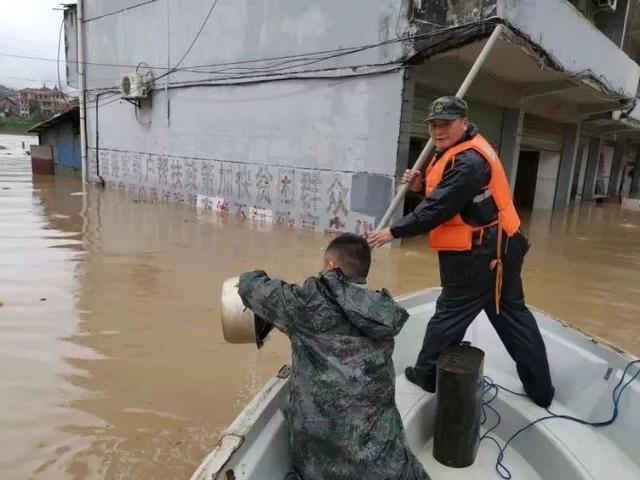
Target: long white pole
[82,84]
[429,148]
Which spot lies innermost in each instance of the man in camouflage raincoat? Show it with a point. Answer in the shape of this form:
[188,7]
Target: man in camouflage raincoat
[342,416]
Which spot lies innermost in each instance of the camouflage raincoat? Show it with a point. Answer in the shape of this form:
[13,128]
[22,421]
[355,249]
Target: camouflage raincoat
[342,415]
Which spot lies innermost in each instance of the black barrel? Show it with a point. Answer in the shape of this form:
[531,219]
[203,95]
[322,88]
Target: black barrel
[459,401]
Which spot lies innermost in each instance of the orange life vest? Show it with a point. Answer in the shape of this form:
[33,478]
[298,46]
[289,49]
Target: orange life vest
[456,234]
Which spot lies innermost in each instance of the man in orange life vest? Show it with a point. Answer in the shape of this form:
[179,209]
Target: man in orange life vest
[473,225]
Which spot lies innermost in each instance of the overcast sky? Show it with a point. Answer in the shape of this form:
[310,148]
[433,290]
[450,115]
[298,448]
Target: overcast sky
[30,27]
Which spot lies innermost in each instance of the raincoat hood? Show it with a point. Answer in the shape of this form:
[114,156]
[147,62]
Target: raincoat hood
[375,313]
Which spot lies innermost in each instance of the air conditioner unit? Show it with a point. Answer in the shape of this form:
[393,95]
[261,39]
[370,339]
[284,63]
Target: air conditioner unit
[135,85]
[607,5]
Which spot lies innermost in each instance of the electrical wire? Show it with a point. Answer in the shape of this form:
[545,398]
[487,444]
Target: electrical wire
[246,80]
[39,80]
[264,71]
[286,65]
[193,42]
[197,69]
[236,72]
[278,73]
[138,117]
[195,39]
[53,80]
[257,73]
[45,59]
[274,72]
[295,57]
[262,76]
[183,69]
[98,17]
[311,57]
[192,69]
[490,386]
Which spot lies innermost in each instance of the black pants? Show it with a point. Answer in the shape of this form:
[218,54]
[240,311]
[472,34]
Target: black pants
[468,287]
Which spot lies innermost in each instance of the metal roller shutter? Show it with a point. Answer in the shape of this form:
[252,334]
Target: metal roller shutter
[542,134]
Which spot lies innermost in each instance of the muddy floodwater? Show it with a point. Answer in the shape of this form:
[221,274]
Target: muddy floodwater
[112,362]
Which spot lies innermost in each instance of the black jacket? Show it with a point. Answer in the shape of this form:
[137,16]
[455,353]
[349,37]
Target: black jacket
[461,191]
[465,180]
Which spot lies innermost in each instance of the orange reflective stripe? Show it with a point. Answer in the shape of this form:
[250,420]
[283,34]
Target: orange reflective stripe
[497,265]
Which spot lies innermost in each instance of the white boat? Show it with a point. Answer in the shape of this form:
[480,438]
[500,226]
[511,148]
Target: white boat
[585,373]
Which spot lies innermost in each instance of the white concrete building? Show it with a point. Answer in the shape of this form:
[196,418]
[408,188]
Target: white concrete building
[310,110]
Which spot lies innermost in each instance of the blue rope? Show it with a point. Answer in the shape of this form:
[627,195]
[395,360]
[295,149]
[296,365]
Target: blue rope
[490,386]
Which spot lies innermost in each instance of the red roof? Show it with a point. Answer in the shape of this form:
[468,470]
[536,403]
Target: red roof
[40,90]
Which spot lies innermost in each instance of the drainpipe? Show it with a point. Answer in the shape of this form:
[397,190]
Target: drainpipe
[82,83]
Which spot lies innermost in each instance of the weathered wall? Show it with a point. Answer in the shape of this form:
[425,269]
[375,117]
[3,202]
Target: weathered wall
[555,25]
[298,157]
[441,12]
[315,153]
[348,125]
[160,32]
[552,24]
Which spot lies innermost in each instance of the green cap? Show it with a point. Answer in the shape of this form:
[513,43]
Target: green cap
[448,108]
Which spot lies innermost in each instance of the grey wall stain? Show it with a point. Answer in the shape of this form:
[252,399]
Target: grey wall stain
[371,194]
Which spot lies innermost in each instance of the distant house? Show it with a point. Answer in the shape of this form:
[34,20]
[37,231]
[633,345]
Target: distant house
[48,101]
[8,107]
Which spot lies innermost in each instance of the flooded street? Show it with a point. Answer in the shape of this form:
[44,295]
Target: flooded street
[112,362]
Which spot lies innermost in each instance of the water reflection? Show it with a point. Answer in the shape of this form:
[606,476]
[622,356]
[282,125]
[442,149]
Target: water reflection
[122,371]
